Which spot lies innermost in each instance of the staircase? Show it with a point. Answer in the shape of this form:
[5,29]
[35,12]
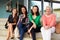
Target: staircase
[3,32]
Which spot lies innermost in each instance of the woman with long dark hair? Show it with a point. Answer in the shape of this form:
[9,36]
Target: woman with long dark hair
[34,18]
[23,21]
[11,23]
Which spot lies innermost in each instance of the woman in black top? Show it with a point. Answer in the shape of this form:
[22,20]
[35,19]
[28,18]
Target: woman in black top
[12,21]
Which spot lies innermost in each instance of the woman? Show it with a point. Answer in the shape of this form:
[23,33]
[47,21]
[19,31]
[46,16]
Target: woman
[49,21]
[12,21]
[34,18]
[22,23]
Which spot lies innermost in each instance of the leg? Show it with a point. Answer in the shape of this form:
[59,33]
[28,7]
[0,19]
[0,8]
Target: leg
[52,29]
[46,34]
[49,32]
[24,29]
[11,29]
[20,27]
[33,34]
[22,34]
[8,34]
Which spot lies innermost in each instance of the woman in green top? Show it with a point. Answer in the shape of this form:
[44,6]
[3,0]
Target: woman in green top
[34,18]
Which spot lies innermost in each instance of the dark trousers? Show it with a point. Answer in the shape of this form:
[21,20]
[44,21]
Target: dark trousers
[33,31]
[22,30]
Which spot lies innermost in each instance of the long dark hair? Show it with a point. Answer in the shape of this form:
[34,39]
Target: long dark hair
[37,13]
[25,9]
[16,15]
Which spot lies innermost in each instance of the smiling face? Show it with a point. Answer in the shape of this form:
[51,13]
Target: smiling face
[14,11]
[34,9]
[48,10]
[23,10]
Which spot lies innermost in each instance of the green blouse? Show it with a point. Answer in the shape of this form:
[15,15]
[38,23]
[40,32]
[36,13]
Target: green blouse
[36,20]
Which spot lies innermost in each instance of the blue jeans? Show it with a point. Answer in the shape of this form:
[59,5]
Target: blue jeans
[22,30]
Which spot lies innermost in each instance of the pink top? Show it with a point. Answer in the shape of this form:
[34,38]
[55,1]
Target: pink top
[49,21]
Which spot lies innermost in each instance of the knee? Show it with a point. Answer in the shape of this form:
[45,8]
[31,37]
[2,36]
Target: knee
[9,25]
[42,28]
[20,24]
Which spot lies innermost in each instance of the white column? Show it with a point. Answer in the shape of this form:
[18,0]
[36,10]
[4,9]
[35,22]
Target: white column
[26,3]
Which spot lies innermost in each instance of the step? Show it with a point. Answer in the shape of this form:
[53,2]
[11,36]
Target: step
[38,35]
[25,38]
[2,27]
[3,21]
[3,32]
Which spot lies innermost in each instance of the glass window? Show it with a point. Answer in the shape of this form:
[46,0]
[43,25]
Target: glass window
[56,9]
[56,0]
[38,3]
[45,4]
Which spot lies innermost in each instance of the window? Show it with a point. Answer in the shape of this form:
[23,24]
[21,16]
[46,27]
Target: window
[56,9]
[45,4]
[38,3]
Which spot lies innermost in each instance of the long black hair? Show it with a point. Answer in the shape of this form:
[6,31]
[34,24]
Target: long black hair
[25,9]
[37,13]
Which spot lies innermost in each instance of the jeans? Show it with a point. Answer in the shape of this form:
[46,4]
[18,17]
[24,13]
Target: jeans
[22,30]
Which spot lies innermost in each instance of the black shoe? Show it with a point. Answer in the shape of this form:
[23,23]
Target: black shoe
[18,37]
[12,37]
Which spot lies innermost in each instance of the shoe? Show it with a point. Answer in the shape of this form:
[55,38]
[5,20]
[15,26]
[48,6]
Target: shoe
[12,37]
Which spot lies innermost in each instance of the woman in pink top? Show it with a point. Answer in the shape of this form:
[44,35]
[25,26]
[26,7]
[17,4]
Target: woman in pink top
[48,21]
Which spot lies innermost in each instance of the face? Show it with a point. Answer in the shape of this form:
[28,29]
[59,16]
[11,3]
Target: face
[34,9]
[48,10]
[23,10]
[14,11]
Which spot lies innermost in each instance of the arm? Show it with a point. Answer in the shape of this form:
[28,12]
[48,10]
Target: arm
[19,19]
[30,18]
[31,28]
[53,21]
[44,21]
[9,21]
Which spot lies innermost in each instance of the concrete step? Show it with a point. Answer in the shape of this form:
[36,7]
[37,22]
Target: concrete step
[3,32]
[25,38]
[3,21]
[38,35]
[2,27]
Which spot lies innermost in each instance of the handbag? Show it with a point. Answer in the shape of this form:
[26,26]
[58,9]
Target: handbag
[58,28]
[6,26]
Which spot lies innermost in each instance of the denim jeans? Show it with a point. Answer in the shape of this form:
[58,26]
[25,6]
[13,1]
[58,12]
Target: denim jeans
[22,30]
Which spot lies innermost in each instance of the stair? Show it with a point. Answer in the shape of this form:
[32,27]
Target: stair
[3,32]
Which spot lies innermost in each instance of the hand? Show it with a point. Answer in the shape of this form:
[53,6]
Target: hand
[34,26]
[24,23]
[29,31]
[13,23]
[46,27]
[9,24]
